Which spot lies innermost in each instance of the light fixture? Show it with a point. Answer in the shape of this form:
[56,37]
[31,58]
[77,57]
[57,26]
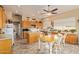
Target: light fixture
[48,14]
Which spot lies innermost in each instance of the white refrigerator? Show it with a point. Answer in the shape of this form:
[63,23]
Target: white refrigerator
[9,31]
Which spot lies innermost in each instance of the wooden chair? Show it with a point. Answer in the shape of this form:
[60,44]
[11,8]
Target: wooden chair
[58,43]
[48,40]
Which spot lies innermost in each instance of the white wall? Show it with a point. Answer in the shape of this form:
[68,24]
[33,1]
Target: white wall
[9,14]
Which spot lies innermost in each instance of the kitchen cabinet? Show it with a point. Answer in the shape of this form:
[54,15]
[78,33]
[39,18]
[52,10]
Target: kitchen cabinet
[39,24]
[5,46]
[26,24]
[29,23]
[2,17]
[24,34]
[32,37]
[71,38]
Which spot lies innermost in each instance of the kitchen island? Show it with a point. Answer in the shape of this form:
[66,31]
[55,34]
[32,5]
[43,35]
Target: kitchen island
[31,37]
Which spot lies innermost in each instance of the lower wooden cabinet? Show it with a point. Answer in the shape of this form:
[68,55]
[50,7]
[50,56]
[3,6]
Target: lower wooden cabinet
[5,46]
[32,37]
[71,38]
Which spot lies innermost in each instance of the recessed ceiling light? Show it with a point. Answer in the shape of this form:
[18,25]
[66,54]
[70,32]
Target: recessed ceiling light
[16,11]
[48,14]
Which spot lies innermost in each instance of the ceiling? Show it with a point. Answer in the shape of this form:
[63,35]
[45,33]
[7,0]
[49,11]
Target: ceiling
[36,10]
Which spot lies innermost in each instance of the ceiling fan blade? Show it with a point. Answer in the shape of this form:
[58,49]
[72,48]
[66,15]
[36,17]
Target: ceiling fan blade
[45,10]
[54,13]
[54,9]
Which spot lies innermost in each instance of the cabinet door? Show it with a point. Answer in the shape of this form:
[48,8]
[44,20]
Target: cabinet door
[39,24]
[1,16]
[26,24]
[4,19]
[71,38]
[6,46]
[33,37]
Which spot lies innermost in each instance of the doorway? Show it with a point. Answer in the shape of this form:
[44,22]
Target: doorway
[17,25]
[17,29]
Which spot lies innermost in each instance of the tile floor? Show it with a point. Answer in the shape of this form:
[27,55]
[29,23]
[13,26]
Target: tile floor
[21,47]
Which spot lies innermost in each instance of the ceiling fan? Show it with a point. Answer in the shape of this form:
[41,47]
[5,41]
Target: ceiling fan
[49,12]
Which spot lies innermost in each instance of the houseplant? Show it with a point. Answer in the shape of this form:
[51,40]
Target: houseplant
[73,30]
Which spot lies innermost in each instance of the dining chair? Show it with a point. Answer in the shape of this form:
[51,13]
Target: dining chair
[64,38]
[58,43]
[50,41]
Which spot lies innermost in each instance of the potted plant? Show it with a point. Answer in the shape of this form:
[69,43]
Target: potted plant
[65,30]
[73,30]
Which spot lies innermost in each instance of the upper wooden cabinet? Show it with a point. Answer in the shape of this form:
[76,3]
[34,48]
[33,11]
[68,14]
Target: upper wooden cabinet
[26,24]
[29,23]
[2,17]
[39,24]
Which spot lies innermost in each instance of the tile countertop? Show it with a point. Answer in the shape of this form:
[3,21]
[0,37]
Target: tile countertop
[4,37]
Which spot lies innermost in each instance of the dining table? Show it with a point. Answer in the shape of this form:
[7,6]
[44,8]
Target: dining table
[54,41]
[48,39]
